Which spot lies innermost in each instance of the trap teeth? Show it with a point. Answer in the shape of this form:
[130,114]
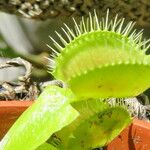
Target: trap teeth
[119,62]
[132,61]
[106,65]
[85,72]
[113,64]
[127,62]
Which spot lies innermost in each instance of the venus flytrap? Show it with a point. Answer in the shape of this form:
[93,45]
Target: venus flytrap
[96,126]
[100,59]
[104,54]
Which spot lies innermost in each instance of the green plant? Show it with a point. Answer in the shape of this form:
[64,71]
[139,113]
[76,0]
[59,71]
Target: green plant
[106,56]
[101,60]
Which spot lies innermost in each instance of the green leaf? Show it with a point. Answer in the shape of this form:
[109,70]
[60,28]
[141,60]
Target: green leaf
[46,146]
[97,125]
[48,114]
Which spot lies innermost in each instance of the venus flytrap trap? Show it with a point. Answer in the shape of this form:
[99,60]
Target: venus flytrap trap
[100,59]
[96,126]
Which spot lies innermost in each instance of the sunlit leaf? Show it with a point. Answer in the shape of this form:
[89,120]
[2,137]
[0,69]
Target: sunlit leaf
[46,146]
[48,114]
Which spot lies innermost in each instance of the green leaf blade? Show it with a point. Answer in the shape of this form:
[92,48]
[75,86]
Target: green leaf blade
[48,114]
[46,146]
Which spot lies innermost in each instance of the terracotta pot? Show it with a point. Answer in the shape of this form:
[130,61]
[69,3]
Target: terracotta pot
[135,137]
[9,112]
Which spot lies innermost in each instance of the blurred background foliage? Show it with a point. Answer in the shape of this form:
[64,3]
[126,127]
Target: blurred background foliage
[26,24]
